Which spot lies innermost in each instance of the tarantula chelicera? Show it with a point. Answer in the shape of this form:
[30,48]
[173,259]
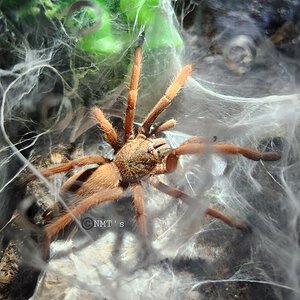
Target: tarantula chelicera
[138,158]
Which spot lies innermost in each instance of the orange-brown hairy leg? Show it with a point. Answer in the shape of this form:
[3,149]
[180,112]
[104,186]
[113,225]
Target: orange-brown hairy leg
[226,149]
[199,140]
[76,181]
[84,205]
[109,131]
[172,160]
[133,92]
[65,167]
[173,192]
[190,148]
[163,103]
[163,126]
[138,194]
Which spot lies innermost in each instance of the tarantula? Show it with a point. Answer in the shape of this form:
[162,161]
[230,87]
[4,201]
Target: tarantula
[138,158]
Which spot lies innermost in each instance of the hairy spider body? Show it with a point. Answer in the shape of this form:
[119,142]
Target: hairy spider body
[90,181]
[139,158]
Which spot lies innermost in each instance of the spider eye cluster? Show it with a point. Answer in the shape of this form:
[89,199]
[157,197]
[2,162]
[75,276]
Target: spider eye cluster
[153,151]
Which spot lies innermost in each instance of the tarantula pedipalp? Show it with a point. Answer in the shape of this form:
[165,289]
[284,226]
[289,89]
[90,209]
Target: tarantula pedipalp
[139,158]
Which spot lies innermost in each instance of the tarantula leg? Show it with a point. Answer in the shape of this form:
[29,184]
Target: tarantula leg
[199,140]
[173,192]
[165,101]
[65,167]
[133,92]
[226,149]
[193,148]
[171,163]
[76,181]
[109,131]
[163,126]
[84,205]
[138,194]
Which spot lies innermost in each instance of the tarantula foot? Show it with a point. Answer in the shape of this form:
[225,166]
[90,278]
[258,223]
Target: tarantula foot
[271,156]
[274,148]
[244,227]
[215,213]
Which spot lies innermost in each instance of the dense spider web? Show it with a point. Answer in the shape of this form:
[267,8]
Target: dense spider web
[46,88]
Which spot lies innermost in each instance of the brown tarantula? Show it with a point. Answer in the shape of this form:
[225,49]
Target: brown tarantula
[138,158]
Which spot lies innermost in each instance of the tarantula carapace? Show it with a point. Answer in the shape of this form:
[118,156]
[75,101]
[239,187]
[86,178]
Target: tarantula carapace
[138,158]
